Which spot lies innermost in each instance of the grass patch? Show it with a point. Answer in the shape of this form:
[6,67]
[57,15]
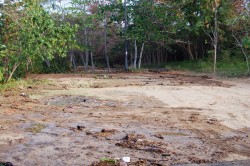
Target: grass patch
[229,68]
[36,128]
[13,84]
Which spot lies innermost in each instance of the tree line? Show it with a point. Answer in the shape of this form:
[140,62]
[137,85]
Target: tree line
[39,36]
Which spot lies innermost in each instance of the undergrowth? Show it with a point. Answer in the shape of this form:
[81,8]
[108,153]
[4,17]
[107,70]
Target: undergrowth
[21,83]
[232,68]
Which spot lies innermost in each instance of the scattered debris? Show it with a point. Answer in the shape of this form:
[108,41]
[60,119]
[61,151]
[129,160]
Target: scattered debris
[159,136]
[77,128]
[165,155]
[24,95]
[80,127]
[30,87]
[198,160]
[126,159]
[139,142]
[108,131]
[212,121]
[167,76]
[102,133]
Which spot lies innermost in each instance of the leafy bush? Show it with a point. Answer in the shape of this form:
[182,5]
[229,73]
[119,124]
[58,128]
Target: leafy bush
[33,36]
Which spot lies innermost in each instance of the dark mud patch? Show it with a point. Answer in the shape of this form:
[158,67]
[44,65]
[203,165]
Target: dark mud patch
[65,100]
[80,101]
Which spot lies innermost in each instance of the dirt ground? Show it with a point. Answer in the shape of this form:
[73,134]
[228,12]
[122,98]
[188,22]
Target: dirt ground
[155,118]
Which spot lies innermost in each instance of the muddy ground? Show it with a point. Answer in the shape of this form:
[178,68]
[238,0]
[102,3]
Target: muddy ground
[155,118]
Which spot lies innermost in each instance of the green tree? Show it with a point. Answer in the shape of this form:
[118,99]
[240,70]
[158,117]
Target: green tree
[240,27]
[151,23]
[30,35]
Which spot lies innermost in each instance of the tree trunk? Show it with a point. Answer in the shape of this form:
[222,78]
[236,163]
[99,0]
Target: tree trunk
[106,43]
[12,72]
[72,61]
[47,62]
[191,56]
[126,55]
[86,51]
[203,52]
[92,61]
[246,57]
[240,44]
[215,57]
[140,58]
[91,57]
[131,59]
[135,57]
[83,61]
[196,50]
[126,41]
[215,33]
[28,63]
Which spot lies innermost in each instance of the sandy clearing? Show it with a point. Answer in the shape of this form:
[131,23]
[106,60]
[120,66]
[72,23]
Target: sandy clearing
[231,106]
[192,119]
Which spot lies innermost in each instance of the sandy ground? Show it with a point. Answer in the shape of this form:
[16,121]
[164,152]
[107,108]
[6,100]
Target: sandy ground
[166,118]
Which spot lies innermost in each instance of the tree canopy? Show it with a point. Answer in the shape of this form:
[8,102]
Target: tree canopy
[32,35]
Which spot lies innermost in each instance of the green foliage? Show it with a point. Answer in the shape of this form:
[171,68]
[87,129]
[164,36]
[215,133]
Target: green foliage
[14,84]
[45,38]
[57,65]
[29,36]
[1,74]
[172,30]
[246,42]
[233,67]
[240,25]
[151,22]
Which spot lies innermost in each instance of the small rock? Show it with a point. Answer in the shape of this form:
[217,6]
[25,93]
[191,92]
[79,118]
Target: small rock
[2,128]
[24,95]
[212,121]
[165,155]
[80,127]
[159,136]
